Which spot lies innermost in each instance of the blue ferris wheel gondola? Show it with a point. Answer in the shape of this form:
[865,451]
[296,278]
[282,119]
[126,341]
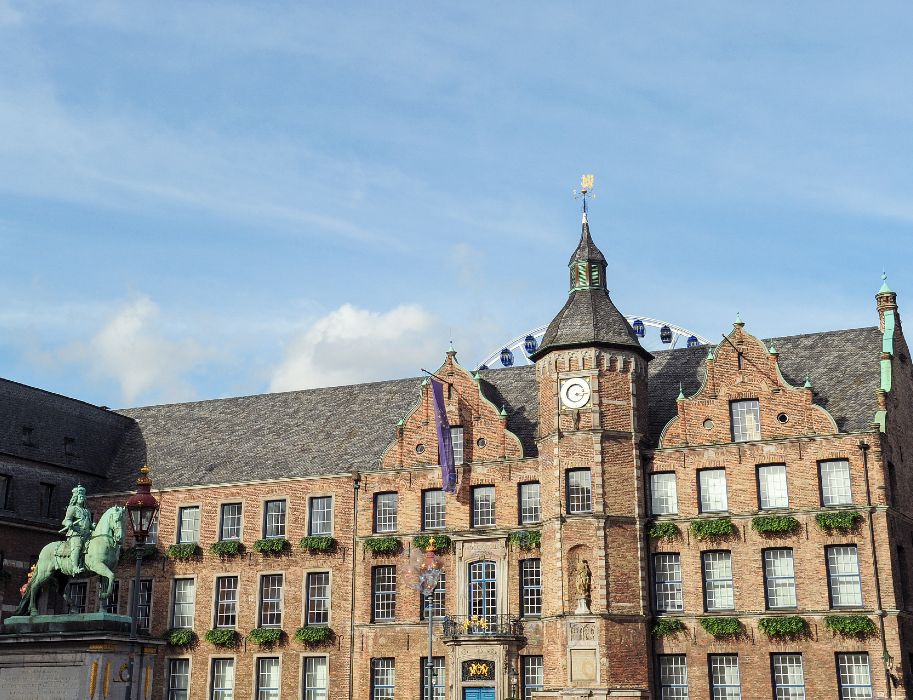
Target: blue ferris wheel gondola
[507,357]
[639,329]
[665,334]
[693,342]
[530,344]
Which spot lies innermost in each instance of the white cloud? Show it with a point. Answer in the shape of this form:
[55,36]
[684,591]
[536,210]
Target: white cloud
[351,345]
[132,349]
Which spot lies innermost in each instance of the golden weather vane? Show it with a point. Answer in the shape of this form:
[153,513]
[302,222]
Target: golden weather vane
[586,189]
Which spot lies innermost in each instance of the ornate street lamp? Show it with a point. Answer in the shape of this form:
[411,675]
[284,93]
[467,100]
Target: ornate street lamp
[142,508]
[429,579]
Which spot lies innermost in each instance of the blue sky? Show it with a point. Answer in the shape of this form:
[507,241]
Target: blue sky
[208,199]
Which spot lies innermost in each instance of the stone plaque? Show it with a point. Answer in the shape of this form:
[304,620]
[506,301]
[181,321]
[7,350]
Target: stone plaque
[583,665]
[46,682]
[478,670]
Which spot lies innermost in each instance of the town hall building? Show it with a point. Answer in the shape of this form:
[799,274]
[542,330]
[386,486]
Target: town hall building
[712,522]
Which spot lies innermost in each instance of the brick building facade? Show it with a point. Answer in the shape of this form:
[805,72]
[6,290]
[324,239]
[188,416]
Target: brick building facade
[725,522]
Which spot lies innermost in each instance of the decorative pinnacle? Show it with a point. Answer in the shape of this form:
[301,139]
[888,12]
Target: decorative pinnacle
[808,381]
[503,412]
[885,289]
[709,352]
[450,348]
[681,392]
[586,190]
[772,349]
[425,381]
[477,376]
[738,319]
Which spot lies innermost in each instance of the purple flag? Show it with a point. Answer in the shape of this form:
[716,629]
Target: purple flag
[444,443]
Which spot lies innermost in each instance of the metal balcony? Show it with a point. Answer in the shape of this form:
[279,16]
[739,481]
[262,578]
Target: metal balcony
[487,626]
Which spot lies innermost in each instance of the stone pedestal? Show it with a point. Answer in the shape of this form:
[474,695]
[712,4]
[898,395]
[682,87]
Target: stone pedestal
[73,657]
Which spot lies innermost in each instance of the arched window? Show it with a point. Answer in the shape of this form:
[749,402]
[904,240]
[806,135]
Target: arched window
[483,596]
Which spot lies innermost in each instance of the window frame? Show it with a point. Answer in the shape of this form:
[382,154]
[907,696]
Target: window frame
[457,430]
[849,483]
[830,577]
[230,660]
[660,677]
[700,490]
[170,688]
[522,508]
[653,490]
[526,664]
[266,518]
[840,684]
[105,606]
[732,420]
[179,535]
[144,600]
[477,511]
[278,601]
[731,580]
[531,593]
[774,656]
[240,517]
[310,616]
[390,516]
[175,582]
[311,510]
[308,692]
[714,684]
[758,471]
[672,582]
[389,690]
[568,475]
[261,692]
[438,601]
[82,586]
[768,579]
[385,599]
[219,603]
[442,507]
[438,678]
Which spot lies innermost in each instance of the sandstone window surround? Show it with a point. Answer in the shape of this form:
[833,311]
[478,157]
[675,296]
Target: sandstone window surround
[188,524]
[267,678]
[854,676]
[314,676]
[386,506]
[745,416]
[274,514]
[530,509]
[183,603]
[663,494]
[230,521]
[532,675]
[222,679]
[673,677]
[318,597]
[320,515]
[178,679]
[226,613]
[271,588]
[725,679]
[788,676]
[772,487]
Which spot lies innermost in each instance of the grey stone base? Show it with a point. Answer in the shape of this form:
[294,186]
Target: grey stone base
[66,624]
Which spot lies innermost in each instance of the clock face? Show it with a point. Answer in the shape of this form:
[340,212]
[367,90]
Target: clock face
[575,393]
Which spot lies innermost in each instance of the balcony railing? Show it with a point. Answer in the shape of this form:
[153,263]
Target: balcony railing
[482,626]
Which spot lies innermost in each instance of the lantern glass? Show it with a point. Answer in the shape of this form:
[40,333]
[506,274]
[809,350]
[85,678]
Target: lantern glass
[529,344]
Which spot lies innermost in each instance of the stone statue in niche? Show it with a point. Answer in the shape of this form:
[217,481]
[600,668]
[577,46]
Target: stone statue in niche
[582,580]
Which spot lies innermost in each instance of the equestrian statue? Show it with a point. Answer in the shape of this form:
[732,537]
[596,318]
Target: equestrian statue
[89,546]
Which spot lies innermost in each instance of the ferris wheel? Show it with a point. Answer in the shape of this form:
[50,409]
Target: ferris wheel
[653,333]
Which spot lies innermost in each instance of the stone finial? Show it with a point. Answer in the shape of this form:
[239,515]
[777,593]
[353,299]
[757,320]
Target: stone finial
[885,289]
[773,349]
[738,320]
[450,349]
[808,381]
[503,412]
[681,392]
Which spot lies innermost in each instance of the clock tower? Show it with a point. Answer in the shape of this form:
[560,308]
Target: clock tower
[591,374]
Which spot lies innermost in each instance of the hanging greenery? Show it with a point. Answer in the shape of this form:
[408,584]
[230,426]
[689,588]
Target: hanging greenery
[664,530]
[183,552]
[840,520]
[226,548]
[722,627]
[150,553]
[313,634]
[265,636]
[858,626]
[666,626]
[223,637]
[318,543]
[784,627]
[180,637]
[774,524]
[383,545]
[272,545]
[712,528]
[525,539]
[423,542]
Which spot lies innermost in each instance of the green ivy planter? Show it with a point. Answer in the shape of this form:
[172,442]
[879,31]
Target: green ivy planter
[183,552]
[265,636]
[784,627]
[712,528]
[150,553]
[180,638]
[225,638]
[775,525]
[317,544]
[853,626]
[525,539]
[722,627]
[272,545]
[839,520]
[226,548]
[383,545]
[664,530]
[667,626]
[313,634]
[423,542]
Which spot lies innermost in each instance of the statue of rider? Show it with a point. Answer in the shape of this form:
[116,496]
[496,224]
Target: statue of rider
[78,527]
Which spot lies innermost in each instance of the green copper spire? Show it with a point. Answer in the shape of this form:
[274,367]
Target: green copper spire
[709,352]
[503,413]
[808,382]
[450,348]
[885,289]
[681,392]
[738,319]
[772,349]
[477,376]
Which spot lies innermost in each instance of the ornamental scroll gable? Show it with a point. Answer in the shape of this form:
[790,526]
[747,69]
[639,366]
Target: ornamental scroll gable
[485,433]
[742,368]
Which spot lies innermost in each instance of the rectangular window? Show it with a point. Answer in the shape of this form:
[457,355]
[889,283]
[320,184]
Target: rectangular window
[383,587]
[385,506]
[320,515]
[779,578]
[712,487]
[835,482]
[434,509]
[531,587]
[271,600]
[144,604]
[531,669]
[152,537]
[268,678]
[579,491]
[854,676]
[383,679]
[184,603]
[111,604]
[843,576]
[189,524]
[667,581]
[223,679]
[5,484]
[725,682]
[230,528]
[274,518]
[530,511]
[718,591]
[226,601]
[746,420]
[438,686]
[788,677]
[437,599]
[483,506]
[772,491]
[663,494]
[178,679]
[673,677]
[46,500]
[318,598]
[315,678]
[456,438]
[77,592]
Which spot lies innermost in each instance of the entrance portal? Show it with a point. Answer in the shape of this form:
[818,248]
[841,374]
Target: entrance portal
[478,694]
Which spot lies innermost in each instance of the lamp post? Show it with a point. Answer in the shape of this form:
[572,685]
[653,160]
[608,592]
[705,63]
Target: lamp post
[428,582]
[142,507]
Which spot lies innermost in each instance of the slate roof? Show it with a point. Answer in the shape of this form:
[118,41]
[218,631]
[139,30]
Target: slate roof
[586,249]
[335,430]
